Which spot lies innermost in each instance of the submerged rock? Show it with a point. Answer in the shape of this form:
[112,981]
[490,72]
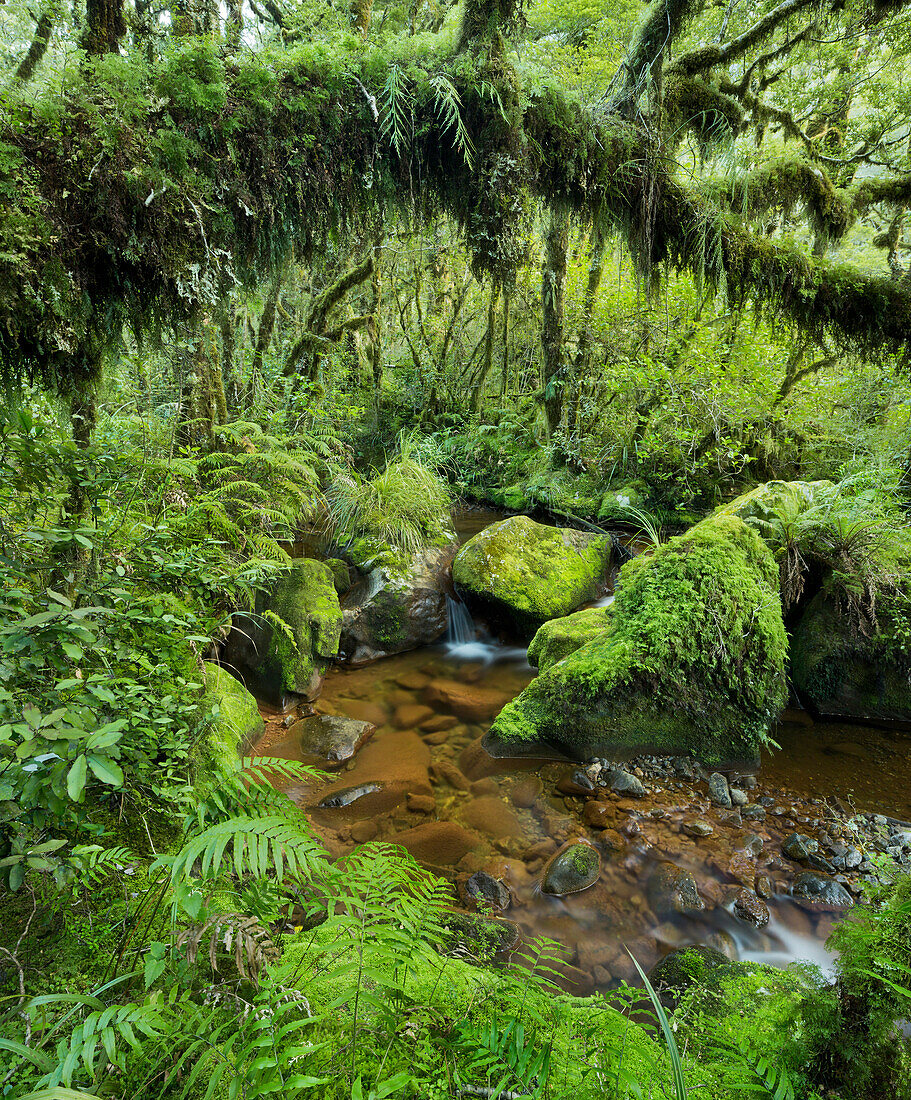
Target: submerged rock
[285,647]
[670,889]
[573,868]
[690,662]
[523,573]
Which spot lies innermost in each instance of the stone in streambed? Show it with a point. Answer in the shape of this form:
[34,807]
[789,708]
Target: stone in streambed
[526,792]
[492,816]
[573,868]
[439,723]
[653,680]
[697,828]
[473,702]
[670,889]
[599,815]
[821,889]
[325,740]
[523,573]
[410,715]
[397,763]
[365,711]
[441,843]
[622,782]
[751,909]
[687,966]
[719,791]
[484,889]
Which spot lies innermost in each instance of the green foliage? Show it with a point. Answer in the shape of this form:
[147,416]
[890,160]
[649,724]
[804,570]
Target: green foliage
[406,506]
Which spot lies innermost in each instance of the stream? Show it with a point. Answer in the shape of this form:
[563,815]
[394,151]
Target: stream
[423,781]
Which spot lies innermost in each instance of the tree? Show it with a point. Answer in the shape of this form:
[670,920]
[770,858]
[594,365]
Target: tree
[159,187]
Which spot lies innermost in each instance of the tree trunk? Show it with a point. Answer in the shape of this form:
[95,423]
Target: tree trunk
[553,292]
[477,393]
[38,48]
[264,336]
[104,28]
[583,351]
[229,384]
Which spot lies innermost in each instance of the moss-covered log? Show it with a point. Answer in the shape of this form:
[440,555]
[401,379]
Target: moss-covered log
[165,183]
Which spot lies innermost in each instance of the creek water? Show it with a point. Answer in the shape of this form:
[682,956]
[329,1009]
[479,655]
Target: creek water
[430,788]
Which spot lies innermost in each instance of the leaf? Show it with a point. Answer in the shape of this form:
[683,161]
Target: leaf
[43,1061]
[106,770]
[75,779]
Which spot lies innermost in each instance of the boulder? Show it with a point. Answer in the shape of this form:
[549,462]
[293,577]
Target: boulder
[839,672]
[765,507]
[823,890]
[520,573]
[236,723]
[692,663]
[573,868]
[687,966]
[283,649]
[398,604]
[559,637]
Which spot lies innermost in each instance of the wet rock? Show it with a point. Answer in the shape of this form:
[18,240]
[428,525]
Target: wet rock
[413,680]
[820,888]
[473,702]
[724,942]
[748,907]
[363,831]
[764,886]
[612,841]
[492,816]
[670,889]
[421,803]
[575,782]
[753,812]
[445,771]
[738,797]
[573,868]
[598,815]
[486,890]
[719,792]
[398,606]
[752,843]
[482,787]
[326,740]
[441,843]
[697,828]
[730,817]
[526,792]
[439,723]
[365,711]
[622,782]
[805,850]
[471,936]
[396,764]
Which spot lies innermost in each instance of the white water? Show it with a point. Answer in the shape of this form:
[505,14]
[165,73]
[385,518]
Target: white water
[462,641]
[461,625]
[605,601]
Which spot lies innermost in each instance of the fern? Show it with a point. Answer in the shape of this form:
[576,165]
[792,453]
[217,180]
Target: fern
[448,104]
[397,116]
[238,935]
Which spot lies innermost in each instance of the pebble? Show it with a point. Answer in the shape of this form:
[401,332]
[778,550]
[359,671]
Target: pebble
[697,828]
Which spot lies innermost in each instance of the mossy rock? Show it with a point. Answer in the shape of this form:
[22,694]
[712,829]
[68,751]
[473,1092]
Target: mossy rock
[687,966]
[285,648]
[841,673]
[399,606]
[341,574]
[522,573]
[616,503]
[236,725]
[764,507]
[559,637]
[692,663]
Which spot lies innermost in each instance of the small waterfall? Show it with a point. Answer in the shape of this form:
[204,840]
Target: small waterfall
[461,625]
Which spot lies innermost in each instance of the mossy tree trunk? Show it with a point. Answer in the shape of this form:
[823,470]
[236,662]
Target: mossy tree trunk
[553,294]
[582,361]
[105,26]
[38,48]
[480,384]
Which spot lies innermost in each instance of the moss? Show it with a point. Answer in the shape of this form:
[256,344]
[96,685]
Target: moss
[839,672]
[306,624]
[560,637]
[526,573]
[235,724]
[693,662]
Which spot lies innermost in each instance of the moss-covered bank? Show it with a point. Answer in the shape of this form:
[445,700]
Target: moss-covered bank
[691,659]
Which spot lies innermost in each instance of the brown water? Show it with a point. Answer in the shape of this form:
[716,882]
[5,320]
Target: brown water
[425,783]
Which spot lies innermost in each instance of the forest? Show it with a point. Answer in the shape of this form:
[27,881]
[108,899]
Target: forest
[455,482]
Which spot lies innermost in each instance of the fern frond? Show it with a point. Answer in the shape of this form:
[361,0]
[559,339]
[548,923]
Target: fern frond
[448,104]
[397,116]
